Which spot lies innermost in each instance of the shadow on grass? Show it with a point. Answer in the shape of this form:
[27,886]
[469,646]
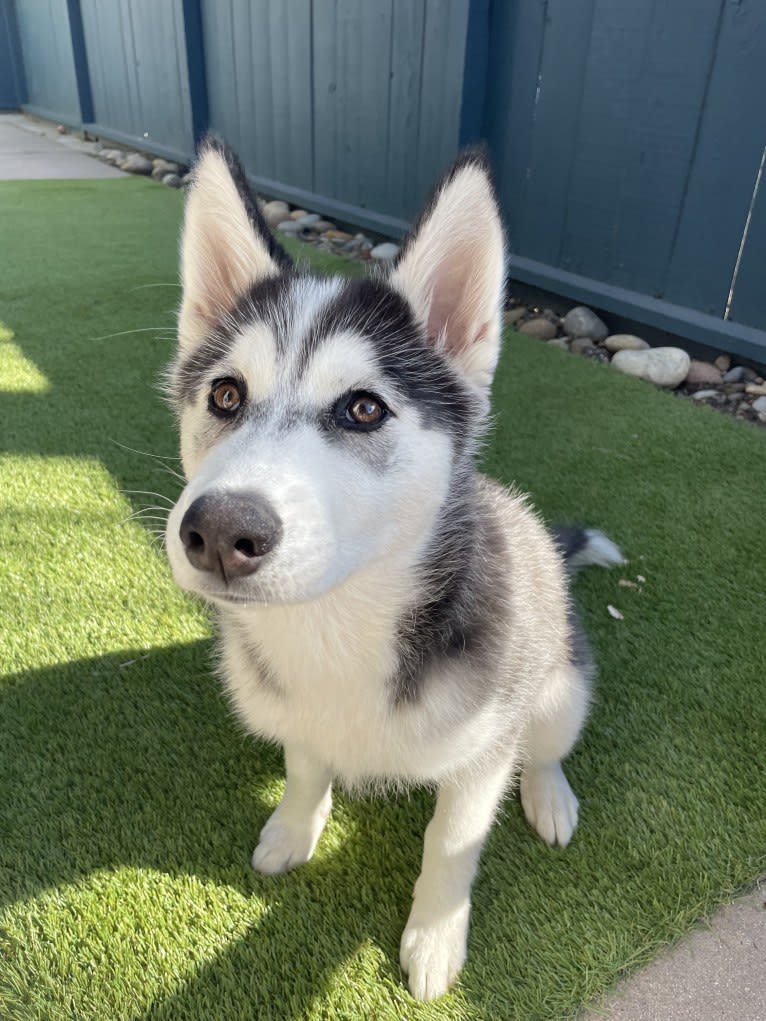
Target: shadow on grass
[133,759]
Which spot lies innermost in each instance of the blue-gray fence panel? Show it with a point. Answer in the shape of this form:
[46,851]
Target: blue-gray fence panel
[352,107]
[258,60]
[138,73]
[627,138]
[46,45]
[12,84]
[730,144]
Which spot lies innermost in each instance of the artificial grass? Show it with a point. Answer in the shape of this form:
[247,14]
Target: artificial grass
[130,798]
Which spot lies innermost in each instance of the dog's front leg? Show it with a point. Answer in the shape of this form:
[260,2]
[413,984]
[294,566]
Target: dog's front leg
[433,944]
[294,827]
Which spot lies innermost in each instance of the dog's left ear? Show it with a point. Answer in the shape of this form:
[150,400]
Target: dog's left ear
[452,269]
[226,245]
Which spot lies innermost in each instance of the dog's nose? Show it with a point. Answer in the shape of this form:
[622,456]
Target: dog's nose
[229,533]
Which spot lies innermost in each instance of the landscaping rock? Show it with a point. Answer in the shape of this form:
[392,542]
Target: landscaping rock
[759,405]
[539,327]
[702,372]
[275,212]
[136,164]
[735,375]
[322,225]
[580,345]
[625,342]
[289,227]
[512,315]
[723,363]
[385,252]
[113,156]
[161,168]
[560,342]
[582,322]
[298,214]
[756,389]
[703,395]
[308,220]
[172,180]
[663,366]
[186,179]
[337,235]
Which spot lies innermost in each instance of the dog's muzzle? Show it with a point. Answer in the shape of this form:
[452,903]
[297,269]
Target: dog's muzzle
[229,534]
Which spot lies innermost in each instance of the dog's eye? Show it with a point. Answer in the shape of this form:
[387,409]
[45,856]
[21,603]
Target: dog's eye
[360,410]
[225,397]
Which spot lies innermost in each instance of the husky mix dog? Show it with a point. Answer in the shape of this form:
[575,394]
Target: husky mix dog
[387,614]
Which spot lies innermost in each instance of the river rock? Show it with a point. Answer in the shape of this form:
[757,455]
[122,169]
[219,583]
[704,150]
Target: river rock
[582,322]
[385,252]
[723,362]
[663,366]
[625,342]
[512,315]
[136,164]
[702,372]
[172,180]
[539,327]
[275,212]
[161,168]
[759,405]
[289,227]
[735,375]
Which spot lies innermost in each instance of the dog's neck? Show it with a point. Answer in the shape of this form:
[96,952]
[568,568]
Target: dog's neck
[388,618]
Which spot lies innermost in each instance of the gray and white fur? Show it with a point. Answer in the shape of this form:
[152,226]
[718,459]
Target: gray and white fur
[387,614]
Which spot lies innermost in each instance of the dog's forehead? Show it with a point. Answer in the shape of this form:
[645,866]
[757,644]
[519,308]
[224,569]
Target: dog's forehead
[293,327]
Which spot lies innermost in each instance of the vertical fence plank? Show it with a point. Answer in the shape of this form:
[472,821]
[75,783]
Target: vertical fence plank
[46,44]
[729,147]
[516,36]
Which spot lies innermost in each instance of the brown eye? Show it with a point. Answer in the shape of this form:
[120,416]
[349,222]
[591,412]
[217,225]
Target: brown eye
[366,410]
[361,411]
[225,396]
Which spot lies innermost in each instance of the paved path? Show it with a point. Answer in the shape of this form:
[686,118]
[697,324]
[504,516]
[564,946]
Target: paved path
[31,151]
[716,973]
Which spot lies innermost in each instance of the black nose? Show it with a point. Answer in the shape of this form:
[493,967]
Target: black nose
[229,533]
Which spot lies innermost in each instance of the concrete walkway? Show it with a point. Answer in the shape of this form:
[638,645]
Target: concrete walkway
[33,151]
[717,972]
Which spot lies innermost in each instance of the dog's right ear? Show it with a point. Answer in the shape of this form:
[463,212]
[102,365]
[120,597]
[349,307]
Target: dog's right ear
[226,245]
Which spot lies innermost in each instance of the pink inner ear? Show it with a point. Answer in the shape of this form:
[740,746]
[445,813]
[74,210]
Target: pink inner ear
[448,317]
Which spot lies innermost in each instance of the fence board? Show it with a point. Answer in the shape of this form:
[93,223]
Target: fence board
[138,72]
[731,140]
[46,46]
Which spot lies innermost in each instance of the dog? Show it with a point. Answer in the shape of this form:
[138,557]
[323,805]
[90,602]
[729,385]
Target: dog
[386,613]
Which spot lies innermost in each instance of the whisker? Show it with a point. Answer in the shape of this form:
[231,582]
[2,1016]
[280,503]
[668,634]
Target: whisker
[126,333]
[147,492]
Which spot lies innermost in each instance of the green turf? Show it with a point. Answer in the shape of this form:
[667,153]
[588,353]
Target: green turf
[130,800]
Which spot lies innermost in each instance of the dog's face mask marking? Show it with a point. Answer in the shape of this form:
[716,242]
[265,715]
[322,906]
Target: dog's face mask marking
[322,421]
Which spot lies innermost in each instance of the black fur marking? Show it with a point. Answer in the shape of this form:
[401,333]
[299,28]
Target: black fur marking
[265,302]
[570,539]
[426,379]
[212,143]
[459,621]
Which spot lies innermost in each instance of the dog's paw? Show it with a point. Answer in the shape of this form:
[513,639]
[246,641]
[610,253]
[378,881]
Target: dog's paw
[549,804]
[284,844]
[433,953]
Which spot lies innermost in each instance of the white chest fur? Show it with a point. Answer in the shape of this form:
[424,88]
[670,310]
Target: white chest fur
[318,675]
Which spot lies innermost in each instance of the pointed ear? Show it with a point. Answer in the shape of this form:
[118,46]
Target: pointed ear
[226,245]
[452,269]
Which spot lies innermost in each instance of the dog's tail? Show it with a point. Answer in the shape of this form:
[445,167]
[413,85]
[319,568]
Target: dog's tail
[582,547]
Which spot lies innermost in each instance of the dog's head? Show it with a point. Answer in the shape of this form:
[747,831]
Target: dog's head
[323,420]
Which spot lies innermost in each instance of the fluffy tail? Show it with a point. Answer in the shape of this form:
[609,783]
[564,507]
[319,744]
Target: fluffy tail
[582,547]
